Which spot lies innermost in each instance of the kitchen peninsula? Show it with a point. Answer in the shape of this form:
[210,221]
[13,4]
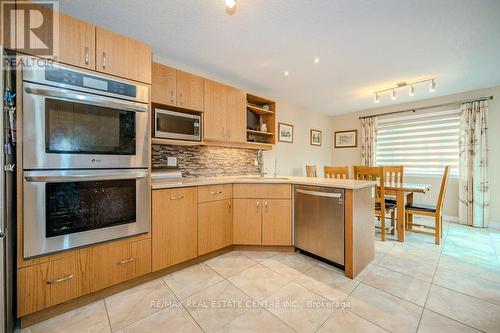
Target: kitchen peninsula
[250,211]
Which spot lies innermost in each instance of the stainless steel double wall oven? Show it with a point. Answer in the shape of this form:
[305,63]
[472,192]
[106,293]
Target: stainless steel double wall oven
[85,158]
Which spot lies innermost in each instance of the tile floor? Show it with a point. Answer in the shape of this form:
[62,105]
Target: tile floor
[410,287]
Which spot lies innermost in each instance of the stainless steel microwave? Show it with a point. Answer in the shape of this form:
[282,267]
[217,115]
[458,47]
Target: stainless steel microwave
[177,125]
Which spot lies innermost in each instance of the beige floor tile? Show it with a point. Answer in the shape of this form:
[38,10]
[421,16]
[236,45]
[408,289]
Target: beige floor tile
[230,264]
[88,318]
[299,308]
[364,272]
[259,255]
[397,284]
[387,311]
[258,281]
[345,321]
[217,305]
[432,322]
[466,309]
[472,285]
[417,251]
[289,264]
[137,303]
[327,282]
[256,320]
[491,273]
[174,319]
[191,280]
[414,267]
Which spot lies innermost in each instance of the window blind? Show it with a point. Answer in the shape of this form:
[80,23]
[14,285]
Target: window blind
[423,143]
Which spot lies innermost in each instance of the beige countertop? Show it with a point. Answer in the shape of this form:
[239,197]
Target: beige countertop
[325,182]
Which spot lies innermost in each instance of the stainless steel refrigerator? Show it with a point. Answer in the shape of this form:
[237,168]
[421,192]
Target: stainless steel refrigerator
[7,197]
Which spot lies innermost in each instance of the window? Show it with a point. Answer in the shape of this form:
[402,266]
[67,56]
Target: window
[424,143]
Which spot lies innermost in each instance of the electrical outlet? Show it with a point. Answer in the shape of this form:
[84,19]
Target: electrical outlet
[172,161]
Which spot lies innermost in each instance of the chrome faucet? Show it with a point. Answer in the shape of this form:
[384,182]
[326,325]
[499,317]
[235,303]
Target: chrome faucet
[276,171]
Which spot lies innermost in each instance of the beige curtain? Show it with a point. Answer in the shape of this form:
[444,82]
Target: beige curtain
[474,193]
[368,140]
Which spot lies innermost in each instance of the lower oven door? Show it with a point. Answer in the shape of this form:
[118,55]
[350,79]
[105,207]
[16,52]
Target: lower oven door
[65,209]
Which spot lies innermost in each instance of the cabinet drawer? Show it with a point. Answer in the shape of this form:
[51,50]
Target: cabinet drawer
[260,191]
[113,263]
[50,283]
[215,192]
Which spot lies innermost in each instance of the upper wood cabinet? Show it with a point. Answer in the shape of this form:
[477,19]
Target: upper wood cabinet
[214,118]
[174,226]
[122,56]
[76,42]
[189,91]
[164,85]
[236,115]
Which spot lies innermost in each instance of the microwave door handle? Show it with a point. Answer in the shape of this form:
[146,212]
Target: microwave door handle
[64,94]
[82,177]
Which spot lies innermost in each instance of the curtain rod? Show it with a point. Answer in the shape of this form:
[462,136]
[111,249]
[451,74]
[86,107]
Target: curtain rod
[429,107]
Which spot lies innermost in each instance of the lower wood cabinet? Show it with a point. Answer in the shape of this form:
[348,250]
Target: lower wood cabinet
[214,225]
[277,222]
[174,226]
[247,221]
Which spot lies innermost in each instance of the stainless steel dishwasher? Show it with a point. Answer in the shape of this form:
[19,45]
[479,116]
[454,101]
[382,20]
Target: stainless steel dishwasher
[319,221]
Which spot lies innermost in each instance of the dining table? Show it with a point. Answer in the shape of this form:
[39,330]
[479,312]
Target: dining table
[404,195]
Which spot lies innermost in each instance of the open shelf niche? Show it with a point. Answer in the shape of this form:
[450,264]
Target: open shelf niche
[261,111]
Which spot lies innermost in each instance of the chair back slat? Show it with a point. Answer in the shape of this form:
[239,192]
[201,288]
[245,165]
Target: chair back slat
[337,172]
[374,174]
[311,171]
[442,191]
[394,173]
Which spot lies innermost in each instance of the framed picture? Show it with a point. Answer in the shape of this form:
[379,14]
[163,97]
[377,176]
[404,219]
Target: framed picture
[316,137]
[285,132]
[346,139]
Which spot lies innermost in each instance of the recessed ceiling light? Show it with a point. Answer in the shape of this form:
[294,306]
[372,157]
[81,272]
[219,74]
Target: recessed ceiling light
[316,60]
[286,73]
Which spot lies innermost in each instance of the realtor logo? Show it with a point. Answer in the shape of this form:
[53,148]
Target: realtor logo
[31,27]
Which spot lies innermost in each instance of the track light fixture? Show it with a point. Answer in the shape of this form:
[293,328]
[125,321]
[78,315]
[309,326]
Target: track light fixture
[411,91]
[230,6]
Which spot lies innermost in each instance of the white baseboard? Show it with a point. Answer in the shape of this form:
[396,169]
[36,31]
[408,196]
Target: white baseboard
[494,225]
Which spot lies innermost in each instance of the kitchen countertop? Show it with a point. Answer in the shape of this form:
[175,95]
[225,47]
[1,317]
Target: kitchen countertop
[160,183]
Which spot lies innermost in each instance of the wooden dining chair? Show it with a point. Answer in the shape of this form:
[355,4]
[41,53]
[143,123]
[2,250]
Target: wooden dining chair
[435,211]
[311,171]
[381,206]
[393,174]
[337,172]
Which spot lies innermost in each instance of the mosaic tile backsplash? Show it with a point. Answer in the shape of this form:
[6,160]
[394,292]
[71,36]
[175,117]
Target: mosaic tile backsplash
[205,161]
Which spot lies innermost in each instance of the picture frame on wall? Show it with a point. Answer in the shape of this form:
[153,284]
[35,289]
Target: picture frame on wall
[285,133]
[346,139]
[316,137]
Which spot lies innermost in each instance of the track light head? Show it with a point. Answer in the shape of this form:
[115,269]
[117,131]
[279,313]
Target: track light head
[412,91]
[393,94]
[377,99]
[432,86]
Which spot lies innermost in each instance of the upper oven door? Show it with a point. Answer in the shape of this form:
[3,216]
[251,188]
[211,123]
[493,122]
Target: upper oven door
[177,125]
[67,129]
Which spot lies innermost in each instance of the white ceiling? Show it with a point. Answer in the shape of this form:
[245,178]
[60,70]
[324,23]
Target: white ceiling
[363,45]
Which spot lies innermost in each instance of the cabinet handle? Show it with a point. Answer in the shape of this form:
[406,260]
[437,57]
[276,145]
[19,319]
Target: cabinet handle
[126,261]
[258,204]
[66,278]
[265,204]
[171,96]
[86,55]
[229,203]
[215,193]
[104,60]
[177,198]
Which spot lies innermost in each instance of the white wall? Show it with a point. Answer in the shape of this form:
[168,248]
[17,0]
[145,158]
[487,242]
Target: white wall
[350,156]
[292,157]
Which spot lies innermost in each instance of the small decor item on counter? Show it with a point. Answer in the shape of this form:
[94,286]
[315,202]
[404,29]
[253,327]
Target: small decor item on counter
[346,139]
[316,138]
[263,128]
[265,107]
[285,132]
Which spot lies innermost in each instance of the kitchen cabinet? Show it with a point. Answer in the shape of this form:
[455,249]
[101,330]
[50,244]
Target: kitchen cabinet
[174,226]
[164,85]
[214,225]
[190,91]
[215,192]
[76,42]
[247,222]
[122,56]
[215,115]
[276,222]
[236,115]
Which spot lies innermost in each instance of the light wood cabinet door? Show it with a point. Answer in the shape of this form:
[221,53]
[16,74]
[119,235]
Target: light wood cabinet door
[174,226]
[189,91]
[47,284]
[277,222]
[122,56]
[214,225]
[76,42]
[215,115]
[236,115]
[116,262]
[164,85]
[247,221]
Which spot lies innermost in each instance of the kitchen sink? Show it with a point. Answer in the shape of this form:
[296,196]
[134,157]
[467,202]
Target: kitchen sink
[263,178]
